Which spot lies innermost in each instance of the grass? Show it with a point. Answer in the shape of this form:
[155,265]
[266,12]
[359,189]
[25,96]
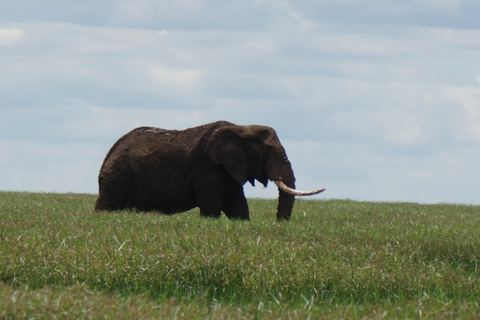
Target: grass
[334,259]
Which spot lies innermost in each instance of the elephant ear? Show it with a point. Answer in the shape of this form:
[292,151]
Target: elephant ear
[225,147]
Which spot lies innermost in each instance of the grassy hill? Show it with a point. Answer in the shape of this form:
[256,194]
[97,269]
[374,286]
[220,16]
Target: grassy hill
[334,259]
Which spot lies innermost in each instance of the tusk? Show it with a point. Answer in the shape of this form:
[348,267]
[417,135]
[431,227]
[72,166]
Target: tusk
[282,186]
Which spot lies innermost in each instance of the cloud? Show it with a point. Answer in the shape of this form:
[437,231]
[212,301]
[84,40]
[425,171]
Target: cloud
[190,15]
[467,102]
[87,12]
[373,14]
[49,167]
[97,122]
[373,100]
[247,15]
[11,36]
[358,171]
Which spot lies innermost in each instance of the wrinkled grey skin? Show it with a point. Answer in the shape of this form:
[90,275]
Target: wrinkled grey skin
[170,171]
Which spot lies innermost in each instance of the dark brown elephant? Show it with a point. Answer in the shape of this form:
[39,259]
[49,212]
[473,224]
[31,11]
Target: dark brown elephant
[151,169]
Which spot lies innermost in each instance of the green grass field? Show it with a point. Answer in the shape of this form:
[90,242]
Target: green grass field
[336,259]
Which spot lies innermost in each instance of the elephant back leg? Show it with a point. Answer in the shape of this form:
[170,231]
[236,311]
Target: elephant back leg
[114,194]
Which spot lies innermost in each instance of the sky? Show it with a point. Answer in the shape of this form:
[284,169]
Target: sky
[375,100]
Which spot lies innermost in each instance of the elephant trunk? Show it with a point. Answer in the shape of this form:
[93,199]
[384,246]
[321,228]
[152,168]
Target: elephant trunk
[285,200]
[279,170]
[287,193]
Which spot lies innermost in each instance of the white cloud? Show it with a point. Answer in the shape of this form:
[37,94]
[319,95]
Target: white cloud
[10,36]
[357,171]
[182,79]
[373,100]
[189,15]
[49,167]
[97,122]
[402,128]
[467,102]
[147,11]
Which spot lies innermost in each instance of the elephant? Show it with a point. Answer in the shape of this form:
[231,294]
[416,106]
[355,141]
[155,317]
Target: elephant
[172,171]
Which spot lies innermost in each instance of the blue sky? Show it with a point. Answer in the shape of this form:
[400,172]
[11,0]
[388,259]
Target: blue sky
[373,100]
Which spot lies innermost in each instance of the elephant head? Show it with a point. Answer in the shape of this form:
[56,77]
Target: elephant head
[250,153]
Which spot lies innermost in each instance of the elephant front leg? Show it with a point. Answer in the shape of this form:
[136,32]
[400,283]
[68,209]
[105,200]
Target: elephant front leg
[235,205]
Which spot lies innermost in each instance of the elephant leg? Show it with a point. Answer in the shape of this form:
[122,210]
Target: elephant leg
[235,205]
[102,203]
[210,205]
[113,194]
[210,211]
